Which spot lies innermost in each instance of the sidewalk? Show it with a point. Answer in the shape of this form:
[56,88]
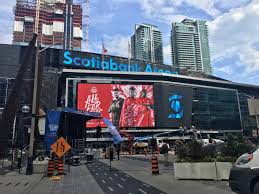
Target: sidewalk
[13,182]
[78,180]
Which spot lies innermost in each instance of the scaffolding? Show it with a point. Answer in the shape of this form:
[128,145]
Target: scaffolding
[51,25]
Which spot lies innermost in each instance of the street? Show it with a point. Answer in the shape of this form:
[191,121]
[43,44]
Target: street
[116,181]
[126,176]
[165,181]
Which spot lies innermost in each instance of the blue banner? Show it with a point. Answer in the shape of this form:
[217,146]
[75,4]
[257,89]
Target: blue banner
[51,128]
[113,131]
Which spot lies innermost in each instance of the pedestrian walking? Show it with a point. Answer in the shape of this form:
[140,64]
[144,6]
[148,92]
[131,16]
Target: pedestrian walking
[19,158]
[164,150]
[111,152]
[118,148]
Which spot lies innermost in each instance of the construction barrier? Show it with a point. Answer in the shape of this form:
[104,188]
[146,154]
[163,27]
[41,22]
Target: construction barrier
[60,166]
[55,163]
[155,169]
[50,167]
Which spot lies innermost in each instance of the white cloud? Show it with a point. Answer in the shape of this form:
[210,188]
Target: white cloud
[167,10]
[225,69]
[234,34]
[100,19]
[205,5]
[7,6]
[116,45]
[229,4]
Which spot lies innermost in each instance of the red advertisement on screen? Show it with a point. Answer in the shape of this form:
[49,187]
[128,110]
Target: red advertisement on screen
[125,105]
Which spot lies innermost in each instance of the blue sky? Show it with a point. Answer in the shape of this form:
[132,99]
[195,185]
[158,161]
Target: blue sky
[233,29]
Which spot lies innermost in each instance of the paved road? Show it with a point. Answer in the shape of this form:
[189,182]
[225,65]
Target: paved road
[117,182]
[166,182]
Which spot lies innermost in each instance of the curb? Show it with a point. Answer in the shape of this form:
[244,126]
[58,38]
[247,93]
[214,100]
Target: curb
[147,160]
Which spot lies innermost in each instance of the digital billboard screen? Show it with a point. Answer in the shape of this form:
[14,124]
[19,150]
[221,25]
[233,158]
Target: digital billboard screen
[173,105]
[125,105]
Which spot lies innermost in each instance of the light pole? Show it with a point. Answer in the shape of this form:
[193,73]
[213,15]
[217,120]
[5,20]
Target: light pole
[25,110]
[29,169]
[35,103]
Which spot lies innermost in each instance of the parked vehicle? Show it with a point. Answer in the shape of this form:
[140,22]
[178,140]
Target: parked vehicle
[206,140]
[214,141]
[244,176]
[160,143]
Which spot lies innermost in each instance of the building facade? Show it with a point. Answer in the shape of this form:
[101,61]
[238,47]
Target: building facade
[146,44]
[60,23]
[190,46]
[163,100]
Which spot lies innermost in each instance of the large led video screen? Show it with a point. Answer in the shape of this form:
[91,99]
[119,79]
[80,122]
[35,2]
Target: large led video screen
[125,105]
[173,106]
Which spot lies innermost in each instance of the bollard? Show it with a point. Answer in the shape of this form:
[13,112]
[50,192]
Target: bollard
[155,169]
[60,166]
[50,167]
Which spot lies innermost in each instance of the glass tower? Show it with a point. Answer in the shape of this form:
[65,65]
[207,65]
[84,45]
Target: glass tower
[146,44]
[190,46]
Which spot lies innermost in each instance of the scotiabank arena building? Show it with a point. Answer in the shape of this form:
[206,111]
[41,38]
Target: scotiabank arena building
[141,97]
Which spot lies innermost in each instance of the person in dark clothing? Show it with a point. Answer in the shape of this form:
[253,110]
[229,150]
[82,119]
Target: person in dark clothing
[115,108]
[164,150]
[118,148]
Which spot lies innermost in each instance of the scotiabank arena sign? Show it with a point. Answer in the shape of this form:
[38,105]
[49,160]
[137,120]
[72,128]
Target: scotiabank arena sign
[125,105]
[93,61]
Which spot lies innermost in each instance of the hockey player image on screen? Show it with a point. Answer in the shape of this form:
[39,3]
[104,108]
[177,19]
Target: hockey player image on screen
[137,111]
[116,106]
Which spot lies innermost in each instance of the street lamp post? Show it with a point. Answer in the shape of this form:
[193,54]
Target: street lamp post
[25,110]
[35,101]
[29,169]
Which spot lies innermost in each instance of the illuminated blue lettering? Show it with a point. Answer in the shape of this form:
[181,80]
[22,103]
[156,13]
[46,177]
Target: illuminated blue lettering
[148,68]
[76,61]
[93,62]
[105,65]
[98,66]
[123,67]
[68,58]
[86,62]
[131,67]
[113,66]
